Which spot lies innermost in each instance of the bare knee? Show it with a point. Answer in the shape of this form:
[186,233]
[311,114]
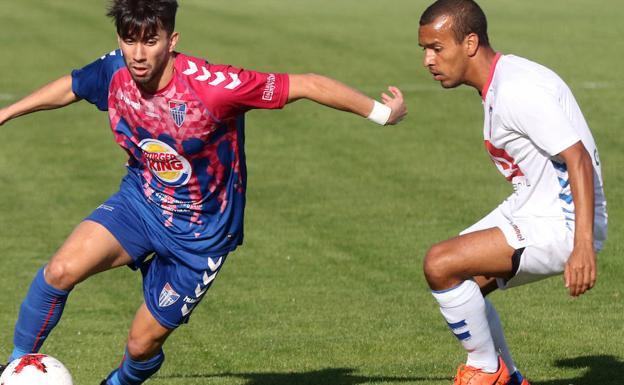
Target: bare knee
[146,336]
[142,348]
[59,274]
[438,267]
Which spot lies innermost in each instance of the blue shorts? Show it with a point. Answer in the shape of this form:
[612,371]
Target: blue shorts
[174,279]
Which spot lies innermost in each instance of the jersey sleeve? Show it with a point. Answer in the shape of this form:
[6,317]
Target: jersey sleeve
[92,81]
[536,113]
[242,90]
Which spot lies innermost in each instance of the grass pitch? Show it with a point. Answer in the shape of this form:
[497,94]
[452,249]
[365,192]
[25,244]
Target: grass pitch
[327,289]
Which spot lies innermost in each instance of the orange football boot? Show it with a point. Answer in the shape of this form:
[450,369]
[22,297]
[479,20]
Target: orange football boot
[467,375]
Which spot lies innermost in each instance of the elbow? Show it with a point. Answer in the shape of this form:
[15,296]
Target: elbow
[309,85]
[315,83]
[312,77]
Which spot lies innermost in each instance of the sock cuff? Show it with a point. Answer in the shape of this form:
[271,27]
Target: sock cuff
[456,296]
[46,287]
[153,362]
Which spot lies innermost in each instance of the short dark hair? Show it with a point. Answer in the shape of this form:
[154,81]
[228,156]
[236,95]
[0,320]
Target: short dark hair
[467,18]
[141,18]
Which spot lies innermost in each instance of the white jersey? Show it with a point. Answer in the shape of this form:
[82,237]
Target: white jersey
[530,117]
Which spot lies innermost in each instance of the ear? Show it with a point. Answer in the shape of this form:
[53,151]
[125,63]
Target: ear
[471,44]
[119,40]
[173,41]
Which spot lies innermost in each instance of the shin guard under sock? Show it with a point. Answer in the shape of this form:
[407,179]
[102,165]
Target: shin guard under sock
[39,313]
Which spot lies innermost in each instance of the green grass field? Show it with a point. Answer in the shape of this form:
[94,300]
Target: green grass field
[328,288]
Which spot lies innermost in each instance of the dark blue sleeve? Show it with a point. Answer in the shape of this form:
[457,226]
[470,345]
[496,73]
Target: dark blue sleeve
[92,82]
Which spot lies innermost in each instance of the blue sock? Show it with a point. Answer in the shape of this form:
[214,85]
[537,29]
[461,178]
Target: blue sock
[40,312]
[515,378]
[133,372]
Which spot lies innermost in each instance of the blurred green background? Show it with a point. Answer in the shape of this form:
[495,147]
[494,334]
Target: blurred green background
[328,288]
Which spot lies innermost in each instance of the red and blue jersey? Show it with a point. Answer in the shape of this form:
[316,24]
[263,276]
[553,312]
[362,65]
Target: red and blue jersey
[185,142]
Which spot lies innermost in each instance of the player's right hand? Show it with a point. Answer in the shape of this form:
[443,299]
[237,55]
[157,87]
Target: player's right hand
[579,274]
[396,103]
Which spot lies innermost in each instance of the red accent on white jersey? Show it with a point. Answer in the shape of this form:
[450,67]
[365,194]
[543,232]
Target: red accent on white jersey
[530,117]
[503,161]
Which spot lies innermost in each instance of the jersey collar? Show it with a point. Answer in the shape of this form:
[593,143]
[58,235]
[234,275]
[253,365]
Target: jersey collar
[486,87]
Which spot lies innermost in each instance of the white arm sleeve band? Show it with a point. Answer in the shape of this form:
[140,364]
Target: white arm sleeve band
[380,113]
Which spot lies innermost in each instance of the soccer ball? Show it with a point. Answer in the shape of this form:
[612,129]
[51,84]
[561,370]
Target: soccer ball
[36,369]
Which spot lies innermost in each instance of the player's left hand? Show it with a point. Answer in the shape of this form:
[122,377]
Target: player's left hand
[396,103]
[580,270]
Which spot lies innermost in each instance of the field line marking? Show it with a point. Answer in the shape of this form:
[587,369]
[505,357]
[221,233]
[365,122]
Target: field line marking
[4,96]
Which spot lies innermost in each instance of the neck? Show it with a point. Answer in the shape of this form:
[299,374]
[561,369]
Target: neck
[161,79]
[479,69]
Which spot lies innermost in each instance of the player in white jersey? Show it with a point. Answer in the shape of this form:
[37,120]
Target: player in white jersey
[554,221]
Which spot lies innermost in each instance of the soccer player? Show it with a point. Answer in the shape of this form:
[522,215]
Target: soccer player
[554,221]
[181,121]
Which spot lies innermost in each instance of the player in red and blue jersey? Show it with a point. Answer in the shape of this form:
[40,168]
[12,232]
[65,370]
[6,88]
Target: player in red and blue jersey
[179,210]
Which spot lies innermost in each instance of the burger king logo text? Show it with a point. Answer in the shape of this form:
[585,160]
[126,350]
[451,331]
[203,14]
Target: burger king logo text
[165,163]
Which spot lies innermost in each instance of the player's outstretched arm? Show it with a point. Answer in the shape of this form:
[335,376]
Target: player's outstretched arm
[53,95]
[580,270]
[335,94]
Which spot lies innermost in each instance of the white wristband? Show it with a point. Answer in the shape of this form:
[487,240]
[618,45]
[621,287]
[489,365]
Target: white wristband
[380,113]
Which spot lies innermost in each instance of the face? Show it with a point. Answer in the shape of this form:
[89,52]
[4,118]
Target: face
[148,57]
[445,58]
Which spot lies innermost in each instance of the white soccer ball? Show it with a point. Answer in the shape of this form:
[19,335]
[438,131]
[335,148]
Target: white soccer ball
[36,369]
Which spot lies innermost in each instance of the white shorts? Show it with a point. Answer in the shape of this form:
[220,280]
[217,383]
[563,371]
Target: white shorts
[547,244]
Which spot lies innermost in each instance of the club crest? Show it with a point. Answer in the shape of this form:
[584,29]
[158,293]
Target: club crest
[178,112]
[168,296]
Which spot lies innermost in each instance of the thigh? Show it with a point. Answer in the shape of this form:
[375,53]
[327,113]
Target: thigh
[89,249]
[122,217]
[481,250]
[112,235]
[542,247]
[546,255]
[479,253]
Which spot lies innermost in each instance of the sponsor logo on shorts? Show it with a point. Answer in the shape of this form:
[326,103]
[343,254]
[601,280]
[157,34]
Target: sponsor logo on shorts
[518,232]
[168,296]
[106,207]
[202,286]
[165,163]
